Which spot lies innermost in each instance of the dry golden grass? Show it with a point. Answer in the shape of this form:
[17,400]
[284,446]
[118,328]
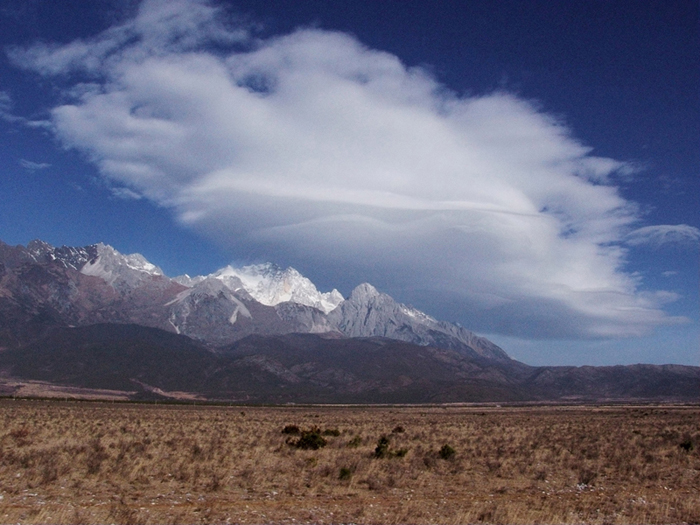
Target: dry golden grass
[73,462]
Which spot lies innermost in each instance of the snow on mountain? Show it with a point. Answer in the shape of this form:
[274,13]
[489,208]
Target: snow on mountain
[118,270]
[188,281]
[222,305]
[270,285]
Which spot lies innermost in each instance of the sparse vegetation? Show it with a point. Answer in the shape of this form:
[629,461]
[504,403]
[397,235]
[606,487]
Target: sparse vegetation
[64,462]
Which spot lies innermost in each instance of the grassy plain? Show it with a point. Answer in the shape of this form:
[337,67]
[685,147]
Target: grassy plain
[78,462]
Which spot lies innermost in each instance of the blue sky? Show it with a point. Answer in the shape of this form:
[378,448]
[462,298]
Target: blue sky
[528,169]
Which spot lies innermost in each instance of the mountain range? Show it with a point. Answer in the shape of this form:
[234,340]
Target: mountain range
[91,317]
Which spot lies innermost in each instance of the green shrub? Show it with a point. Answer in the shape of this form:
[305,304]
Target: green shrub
[345,473]
[586,476]
[382,449]
[355,442]
[687,445]
[331,432]
[310,440]
[447,452]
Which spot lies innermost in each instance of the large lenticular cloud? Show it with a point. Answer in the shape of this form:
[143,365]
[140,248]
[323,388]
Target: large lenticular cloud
[313,148]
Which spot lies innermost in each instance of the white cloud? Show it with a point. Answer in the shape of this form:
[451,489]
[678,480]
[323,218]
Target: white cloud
[5,101]
[664,234]
[6,114]
[33,166]
[161,27]
[6,108]
[125,194]
[314,149]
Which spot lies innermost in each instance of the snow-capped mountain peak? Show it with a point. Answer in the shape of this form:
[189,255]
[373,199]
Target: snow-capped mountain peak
[270,285]
[188,281]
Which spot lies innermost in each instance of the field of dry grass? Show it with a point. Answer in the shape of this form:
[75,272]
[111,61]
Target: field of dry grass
[77,462]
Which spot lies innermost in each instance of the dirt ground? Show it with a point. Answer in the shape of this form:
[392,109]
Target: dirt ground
[90,462]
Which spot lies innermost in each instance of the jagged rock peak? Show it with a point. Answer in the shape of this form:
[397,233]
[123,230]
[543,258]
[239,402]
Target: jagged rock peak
[363,293]
[109,260]
[67,256]
[39,247]
[93,259]
[124,272]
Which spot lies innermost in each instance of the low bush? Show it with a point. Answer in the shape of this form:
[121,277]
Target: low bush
[291,429]
[586,476]
[447,452]
[382,449]
[355,442]
[309,440]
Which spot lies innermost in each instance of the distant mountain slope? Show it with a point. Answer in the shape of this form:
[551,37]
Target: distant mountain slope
[616,382]
[313,368]
[113,356]
[374,369]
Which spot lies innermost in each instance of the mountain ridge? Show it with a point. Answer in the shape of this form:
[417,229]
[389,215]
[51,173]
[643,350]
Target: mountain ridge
[218,308]
[93,318]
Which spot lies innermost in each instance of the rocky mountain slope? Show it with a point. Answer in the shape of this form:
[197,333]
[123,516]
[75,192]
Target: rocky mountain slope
[367,312]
